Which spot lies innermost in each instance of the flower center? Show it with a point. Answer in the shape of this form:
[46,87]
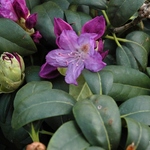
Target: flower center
[85,48]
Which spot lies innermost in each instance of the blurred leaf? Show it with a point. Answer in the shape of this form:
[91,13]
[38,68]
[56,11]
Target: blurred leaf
[30,3]
[14,39]
[138,133]
[69,137]
[100,4]
[119,11]
[99,119]
[32,73]
[76,19]
[94,148]
[39,95]
[46,13]
[80,91]
[122,83]
[137,108]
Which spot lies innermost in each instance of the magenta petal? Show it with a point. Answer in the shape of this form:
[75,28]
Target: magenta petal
[7,10]
[58,58]
[36,37]
[96,25]
[31,21]
[73,73]
[100,49]
[60,25]
[20,8]
[94,63]
[68,40]
[48,72]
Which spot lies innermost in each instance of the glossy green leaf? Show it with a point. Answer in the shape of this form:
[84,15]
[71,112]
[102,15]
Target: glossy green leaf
[122,83]
[139,45]
[39,95]
[100,4]
[80,91]
[138,134]
[137,108]
[14,39]
[46,13]
[68,137]
[119,11]
[99,119]
[77,19]
[93,80]
[125,57]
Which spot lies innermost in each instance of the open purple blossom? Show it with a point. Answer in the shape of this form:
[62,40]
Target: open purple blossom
[76,52]
[17,11]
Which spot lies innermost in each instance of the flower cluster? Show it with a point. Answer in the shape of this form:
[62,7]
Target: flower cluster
[17,11]
[76,52]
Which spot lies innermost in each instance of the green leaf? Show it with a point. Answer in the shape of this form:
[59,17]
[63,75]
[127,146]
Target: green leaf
[14,39]
[32,73]
[100,4]
[122,83]
[64,4]
[39,95]
[93,80]
[46,13]
[94,148]
[125,57]
[119,11]
[6,110]
[69,137]
[137,108]
[77,19]
[30,3]
[139,46]
[99,119]
[80,91]
[138,134]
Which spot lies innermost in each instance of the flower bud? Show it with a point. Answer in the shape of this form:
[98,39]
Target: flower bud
[11,72]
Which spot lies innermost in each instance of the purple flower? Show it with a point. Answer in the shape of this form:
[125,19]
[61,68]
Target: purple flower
[76,52]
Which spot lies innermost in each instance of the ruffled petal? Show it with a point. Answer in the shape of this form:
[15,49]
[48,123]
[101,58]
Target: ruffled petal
[96,25]
[68,40]
[94,63]
[73,73]
[59,58]
[48,72]
[60,25]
